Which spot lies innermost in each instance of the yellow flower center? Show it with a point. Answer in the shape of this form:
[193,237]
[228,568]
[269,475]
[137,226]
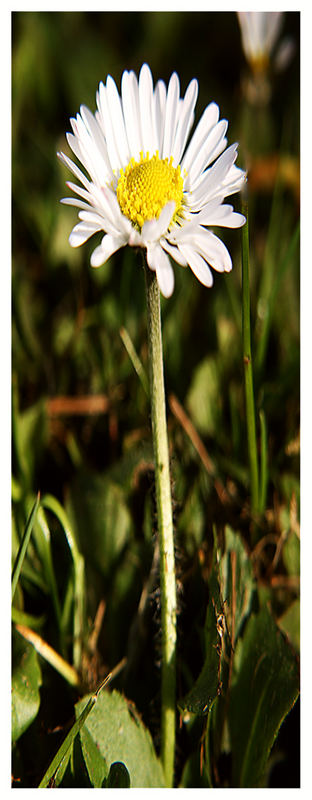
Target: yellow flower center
[146,186]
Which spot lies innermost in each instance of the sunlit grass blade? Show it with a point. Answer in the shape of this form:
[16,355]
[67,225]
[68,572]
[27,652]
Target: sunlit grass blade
[23,546]
[248,368]
[50,655]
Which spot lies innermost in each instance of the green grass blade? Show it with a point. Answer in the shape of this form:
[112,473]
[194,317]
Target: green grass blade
[23,546]
[263,463]
[49,502]
[134,358]
[43,537]
[22,618]
[49,654]
[62,753]
[248,368]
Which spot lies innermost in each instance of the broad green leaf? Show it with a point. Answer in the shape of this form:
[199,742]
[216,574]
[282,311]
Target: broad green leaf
[265,686]
[119,735]
[26,681]
[101,518]
[94,761]
[237,589]
[207,687]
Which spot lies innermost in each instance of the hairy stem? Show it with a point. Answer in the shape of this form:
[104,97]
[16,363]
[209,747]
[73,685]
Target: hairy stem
[248,370]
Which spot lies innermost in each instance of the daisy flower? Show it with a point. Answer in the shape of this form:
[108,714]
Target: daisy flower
[260,31]
[146,183]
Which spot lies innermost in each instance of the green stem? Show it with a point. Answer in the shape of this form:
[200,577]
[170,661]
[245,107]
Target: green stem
[248,369]
[165,527]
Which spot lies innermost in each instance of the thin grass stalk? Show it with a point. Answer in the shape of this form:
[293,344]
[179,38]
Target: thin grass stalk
[49,654]
[248,369]
[23,546]
[263,462]
[50,502]
[165,527]
[62,756]
[136,361]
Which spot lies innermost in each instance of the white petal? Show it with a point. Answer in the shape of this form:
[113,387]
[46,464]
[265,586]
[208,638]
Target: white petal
[171,115]
[131,112]
[159,113]
[97,136]
[234,181]
[185,121]
[215,214]
[81,232]
[146,110]
[207,152]
[103,100]
[108,203]
[88,153]
[135,238]
[173,252]
[213,250]
[197,264]
[117,120]
[73,201]
[159,261]
[213,180]
[108,246]
[74,144]
[153,229]
[89,197]
[207,121]
[74,169]
[91,217]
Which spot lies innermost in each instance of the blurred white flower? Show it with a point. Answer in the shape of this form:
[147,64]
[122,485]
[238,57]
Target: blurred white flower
[260,31]
[145,186]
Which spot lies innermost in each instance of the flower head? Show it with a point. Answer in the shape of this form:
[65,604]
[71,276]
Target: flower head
[260,31]
[145,186]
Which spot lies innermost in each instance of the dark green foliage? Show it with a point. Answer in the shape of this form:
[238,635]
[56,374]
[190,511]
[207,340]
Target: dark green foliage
[119,735]
[265,686]
[26,682]
[88,582]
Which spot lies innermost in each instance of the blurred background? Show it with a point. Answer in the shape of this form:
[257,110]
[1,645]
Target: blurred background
[80,413]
